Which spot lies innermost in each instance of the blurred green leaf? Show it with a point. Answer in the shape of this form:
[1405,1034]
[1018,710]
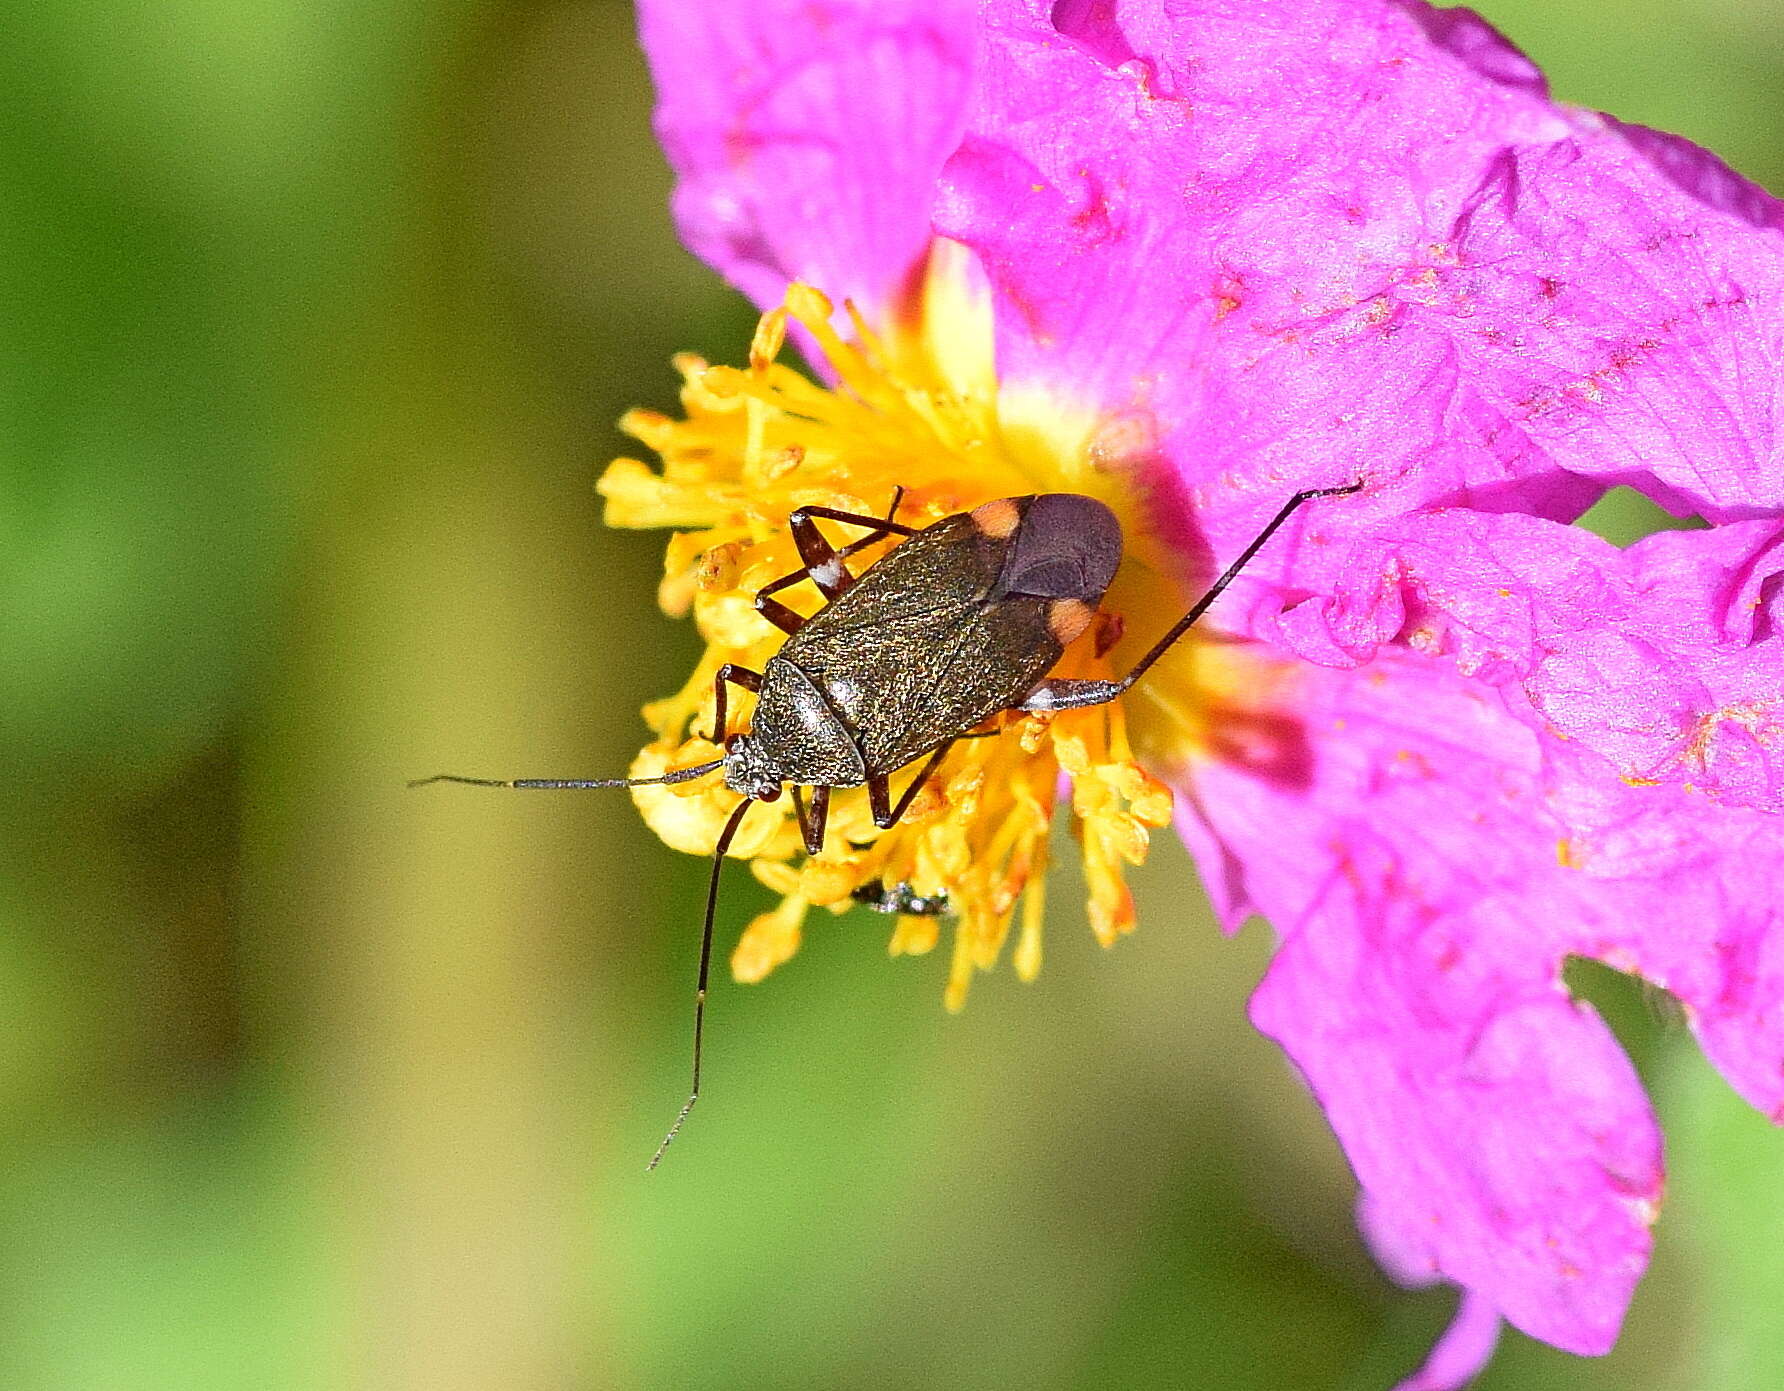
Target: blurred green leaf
[1726,1175]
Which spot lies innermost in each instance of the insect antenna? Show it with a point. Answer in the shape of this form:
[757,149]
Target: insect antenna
[712,903]
[699,770]
[1230,574]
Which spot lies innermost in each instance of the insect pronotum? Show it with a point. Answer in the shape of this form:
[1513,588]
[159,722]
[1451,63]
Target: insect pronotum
[852,697]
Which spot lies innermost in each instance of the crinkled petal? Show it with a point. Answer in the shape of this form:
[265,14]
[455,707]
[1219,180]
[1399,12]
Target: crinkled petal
[1347,238]
[808,134]
[1652,681]
[1500,1135]
[1621,304]
[1664,658]
[1698,912]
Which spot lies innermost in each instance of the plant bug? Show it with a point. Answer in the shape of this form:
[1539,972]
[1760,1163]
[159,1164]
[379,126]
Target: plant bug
[960,622]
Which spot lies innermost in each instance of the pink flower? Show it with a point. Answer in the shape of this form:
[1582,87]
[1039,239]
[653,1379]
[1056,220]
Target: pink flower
[1265,248]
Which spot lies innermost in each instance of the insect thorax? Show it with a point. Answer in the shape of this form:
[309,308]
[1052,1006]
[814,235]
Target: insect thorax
[796,730]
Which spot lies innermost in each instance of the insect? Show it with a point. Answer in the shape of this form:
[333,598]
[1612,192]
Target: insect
[900,898]
[960,622]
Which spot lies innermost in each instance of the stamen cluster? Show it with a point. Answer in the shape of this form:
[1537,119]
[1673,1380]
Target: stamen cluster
[754,445]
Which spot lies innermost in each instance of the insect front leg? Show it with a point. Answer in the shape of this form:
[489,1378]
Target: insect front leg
[729,674]
[812,822]
[879,792]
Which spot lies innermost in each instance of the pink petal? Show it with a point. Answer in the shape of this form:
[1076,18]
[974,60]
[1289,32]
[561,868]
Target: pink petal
[1651,681]
[1462,1351]
[1696,908]
[1326,240]
[1661,658]
[808,134]
[1700,916]
[1467,1344]
[1285,246]
[1501,1137]
[1621,306]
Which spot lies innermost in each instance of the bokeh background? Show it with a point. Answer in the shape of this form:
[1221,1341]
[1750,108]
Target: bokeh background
[316,320]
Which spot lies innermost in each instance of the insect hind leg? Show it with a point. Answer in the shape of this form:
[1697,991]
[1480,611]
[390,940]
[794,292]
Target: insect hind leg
[879,792]
[1067,693]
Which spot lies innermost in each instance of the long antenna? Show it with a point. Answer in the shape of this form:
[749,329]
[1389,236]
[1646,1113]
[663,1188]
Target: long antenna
[699,770]
[712,903]
[1231,573]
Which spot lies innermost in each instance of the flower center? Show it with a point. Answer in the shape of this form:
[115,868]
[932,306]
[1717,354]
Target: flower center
[919,410]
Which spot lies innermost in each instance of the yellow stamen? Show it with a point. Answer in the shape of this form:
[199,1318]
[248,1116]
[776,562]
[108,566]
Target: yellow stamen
[768,941]
[914,936]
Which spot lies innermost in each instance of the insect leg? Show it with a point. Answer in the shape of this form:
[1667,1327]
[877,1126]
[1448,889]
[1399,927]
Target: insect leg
[1065,693]
[712,903]
[1070,693]
[823,562]
[777,613]
[729,673]
[879,792]
[811,825]
[880,530]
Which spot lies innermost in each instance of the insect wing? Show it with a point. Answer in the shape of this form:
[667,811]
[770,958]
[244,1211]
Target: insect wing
[918,653]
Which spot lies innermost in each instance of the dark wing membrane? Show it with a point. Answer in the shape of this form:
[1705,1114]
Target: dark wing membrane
[916,654]
[991,659]
[938,570]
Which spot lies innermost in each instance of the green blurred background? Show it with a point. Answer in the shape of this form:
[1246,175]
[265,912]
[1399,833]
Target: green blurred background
[317,320]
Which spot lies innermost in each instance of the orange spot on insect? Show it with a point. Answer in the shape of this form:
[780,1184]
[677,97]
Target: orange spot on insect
[997,519]
[1068,617]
